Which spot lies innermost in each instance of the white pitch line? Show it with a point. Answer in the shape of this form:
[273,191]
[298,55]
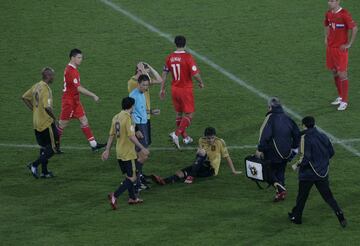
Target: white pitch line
[351,140]
[221,70]
[34,146]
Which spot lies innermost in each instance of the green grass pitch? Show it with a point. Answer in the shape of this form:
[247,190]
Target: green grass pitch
[275,46]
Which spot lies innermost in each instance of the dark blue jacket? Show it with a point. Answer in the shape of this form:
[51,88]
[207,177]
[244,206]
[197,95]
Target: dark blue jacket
[316,151]
[278,135]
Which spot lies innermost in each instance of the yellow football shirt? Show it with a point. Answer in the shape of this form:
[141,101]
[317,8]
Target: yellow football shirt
[122,128]
[132,84]
[214,152]
[41,97]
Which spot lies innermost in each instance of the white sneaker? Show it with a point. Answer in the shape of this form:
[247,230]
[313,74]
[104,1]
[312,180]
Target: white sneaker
[188,140]
[342,106]
[175,139]
[337,101]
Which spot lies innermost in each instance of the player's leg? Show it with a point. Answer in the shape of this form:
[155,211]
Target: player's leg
[127,168]
[79,113]
[188,107]
[341,63]
[331,57]
[344,81]
[177,107]
[196,167]
[337,81]
[65,116]
[178,176]
[46,140]
[303,193]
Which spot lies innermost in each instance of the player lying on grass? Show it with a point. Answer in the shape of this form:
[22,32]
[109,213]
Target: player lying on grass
[207,161]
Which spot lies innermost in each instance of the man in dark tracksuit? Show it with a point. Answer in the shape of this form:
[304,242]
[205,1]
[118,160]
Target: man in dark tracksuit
[313,166]
[279,140]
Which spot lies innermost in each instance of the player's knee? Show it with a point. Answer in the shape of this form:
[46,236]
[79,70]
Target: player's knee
[63,123]
[342,75]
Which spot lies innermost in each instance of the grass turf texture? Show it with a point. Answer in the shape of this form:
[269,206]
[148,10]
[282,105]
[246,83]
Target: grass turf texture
[275,46]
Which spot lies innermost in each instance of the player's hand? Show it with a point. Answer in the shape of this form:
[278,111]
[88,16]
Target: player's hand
[96,98]
[236,172]
[105,155]
[145,151]
[259,154]
[201,85]
[162,94]
[295,167]
[345,47]
[155,111]
[139,135]
[201,152]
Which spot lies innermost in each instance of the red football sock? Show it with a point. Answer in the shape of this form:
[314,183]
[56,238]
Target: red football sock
[185,123]
[60,131]
[178,120]
[345,90]
[338,85]
[88,133]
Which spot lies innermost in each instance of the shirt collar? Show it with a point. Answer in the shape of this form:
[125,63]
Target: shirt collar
[338,10]
[72,65]
[179,51]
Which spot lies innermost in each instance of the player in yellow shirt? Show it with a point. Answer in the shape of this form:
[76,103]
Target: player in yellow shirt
[123,131]
[208,157]
[39,100]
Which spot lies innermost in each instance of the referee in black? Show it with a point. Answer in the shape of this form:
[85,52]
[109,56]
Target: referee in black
[313,166]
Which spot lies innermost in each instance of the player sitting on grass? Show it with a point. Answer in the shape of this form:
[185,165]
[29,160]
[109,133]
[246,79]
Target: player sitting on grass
[207,161]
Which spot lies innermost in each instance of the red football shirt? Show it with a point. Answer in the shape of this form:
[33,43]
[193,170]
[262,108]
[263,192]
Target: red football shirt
[71,82]
[339,23]
[182,67]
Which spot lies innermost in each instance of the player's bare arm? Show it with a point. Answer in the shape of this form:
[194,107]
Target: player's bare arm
[88,93]
[156,78]
[353,33]
[105,154]
[50,112]
[162,90]
[231,165]
[326,32]
[28,103]
[199,80]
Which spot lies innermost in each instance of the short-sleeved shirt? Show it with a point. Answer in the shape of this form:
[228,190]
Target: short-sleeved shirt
[71,83]
[214,152]
[133,84]
[41,97]
[339,23]
[139,113]
[182,67]
[122,128]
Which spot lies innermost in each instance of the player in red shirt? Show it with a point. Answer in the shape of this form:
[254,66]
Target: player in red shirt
[182,67]
[70,103]
[338,23]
